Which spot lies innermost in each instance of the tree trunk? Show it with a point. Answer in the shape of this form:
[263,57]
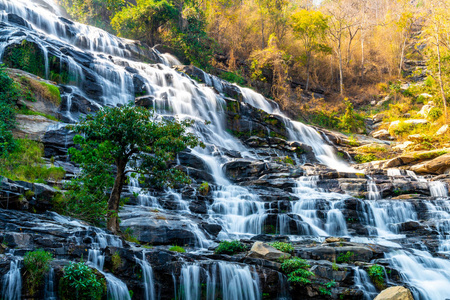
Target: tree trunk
[441,83]
[308,62]
[341,72]
[401,57]
[114,198]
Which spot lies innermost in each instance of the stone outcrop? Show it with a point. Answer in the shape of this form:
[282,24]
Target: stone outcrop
[265,251]
[395,293]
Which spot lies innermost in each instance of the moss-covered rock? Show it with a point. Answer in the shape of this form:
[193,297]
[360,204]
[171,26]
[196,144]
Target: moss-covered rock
[27,56]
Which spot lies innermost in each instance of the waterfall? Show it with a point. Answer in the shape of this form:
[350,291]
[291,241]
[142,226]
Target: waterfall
[50,293]
[231,281]
[438,189]
[363,282]
[12,282]
[373,192]
[147,273]
[427,276]
[393,172]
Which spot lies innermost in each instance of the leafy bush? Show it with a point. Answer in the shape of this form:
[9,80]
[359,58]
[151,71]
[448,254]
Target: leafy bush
[284,247]
[297,271]
[80,282]
[376,274]
[351,121]
[37,264]
[204,188]
[226,247]
[435,113]
[177,249]
[345,258]
[26,163]
[233,77]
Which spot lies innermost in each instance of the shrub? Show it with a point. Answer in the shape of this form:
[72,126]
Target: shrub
[363,158]
[335,267]
[345,258]
[226,247]
[351,121]
[435,113]
[284,247]
[177,249]
[233,77]
[204,188]
[37,264]
[80,282]
[376,274]
[116,261]
[297,271]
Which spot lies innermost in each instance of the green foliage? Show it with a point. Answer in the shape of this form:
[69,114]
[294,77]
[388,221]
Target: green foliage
[286,160]
[376,274]
[435,113]
[25,111]
[351,121]
[233,77]
[116,261]
[135,141]
[326,290]
[233,247]
[284,247]
[26,56]
[297,271]
[26,163]
[129,236]
[80,282]
[335,267]
[364,158]
[204,188]
[36,264]
[8,95]
[55,95]
[177,249]
[345,258]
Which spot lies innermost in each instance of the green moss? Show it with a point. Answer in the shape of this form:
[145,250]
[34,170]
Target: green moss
[116,261]
[204,188]
[284,247]
[29,112]
[177,249]
[364,158]
[36,264]
[26,163]
[26,56]
[54,92]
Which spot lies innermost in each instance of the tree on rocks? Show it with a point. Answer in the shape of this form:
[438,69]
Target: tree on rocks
[135,141]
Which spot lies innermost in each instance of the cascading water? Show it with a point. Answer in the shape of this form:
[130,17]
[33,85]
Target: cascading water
[226,281]
[147,272]
[101,72]
[12,282]
[363,282]
[50,292]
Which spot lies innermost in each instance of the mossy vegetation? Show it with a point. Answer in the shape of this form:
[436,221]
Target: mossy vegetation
[284,247]
[204,188]
[36,265]
[177,249]
[376,274]
[26,163]
[27,56]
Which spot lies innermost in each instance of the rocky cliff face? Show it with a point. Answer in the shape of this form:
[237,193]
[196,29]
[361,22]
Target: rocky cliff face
[271,179]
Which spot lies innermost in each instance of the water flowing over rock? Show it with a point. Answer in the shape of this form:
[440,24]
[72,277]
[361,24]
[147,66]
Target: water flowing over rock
[270,179]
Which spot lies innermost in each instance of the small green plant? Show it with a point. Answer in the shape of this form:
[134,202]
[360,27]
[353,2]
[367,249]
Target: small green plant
[345,258]
[376,274]
[284,247]
[116,261]
[326,290]
[80,282]
[177,249]
[335,267]
[204,188]
[226,247]
[364,158]
[297,271]
[129,236]
[435,113]
[37,264]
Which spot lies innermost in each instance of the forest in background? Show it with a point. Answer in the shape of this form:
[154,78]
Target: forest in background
[325,63]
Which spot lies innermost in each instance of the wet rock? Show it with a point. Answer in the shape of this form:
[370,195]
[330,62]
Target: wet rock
[265,251]
[56,142]
[395,293]
[212,229]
